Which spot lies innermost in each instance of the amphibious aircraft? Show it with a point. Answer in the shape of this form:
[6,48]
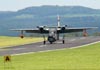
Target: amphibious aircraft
[54,31]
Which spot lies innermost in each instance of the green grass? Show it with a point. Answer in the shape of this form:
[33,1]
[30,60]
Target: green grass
[84,58]
[13,41]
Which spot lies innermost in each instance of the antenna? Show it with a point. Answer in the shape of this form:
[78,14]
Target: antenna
[58,19]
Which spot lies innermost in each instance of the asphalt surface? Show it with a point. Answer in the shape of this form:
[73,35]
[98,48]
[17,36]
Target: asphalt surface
[37,47]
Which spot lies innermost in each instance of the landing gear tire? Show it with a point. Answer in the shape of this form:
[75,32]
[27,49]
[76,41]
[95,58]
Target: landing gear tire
[44,42]
[50,42]
[63,41]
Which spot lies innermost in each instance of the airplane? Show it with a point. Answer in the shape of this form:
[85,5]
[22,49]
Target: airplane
[54,31]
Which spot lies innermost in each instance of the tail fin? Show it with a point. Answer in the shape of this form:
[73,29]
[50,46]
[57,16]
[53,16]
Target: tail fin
[58,19]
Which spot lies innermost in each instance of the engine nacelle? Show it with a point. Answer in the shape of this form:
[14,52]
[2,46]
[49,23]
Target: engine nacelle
[41,29]
[63,28]
[41,26]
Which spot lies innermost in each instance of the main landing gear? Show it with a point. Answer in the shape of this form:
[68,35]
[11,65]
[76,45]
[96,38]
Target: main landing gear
[85,34]
[63,40]
[50,42]
[44,42]
[22,35]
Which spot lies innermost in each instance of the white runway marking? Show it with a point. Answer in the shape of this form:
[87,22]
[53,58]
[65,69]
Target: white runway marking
[85,45]
[42,46]
[58,49]
[73,40]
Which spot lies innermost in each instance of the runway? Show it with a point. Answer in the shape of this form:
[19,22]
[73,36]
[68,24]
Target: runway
[37,47]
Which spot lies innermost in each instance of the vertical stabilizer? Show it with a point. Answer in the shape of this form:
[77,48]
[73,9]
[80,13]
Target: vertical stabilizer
[58,19]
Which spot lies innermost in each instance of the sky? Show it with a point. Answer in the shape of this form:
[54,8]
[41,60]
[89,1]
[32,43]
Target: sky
[14,5]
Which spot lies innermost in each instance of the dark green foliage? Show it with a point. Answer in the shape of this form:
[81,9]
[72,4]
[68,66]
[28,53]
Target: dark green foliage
[73,16]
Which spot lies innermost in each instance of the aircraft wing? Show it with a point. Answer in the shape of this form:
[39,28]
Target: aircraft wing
[32,30]
[59,30]
[78,29]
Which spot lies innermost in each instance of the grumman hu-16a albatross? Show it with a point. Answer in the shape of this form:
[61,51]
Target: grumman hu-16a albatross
[54,31]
